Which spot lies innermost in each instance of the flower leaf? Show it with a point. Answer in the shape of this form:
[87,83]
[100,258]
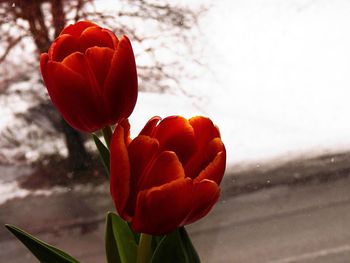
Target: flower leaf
[104,152]
[120,241]
[175,247]
[188,247]
[41,250]
[111,247]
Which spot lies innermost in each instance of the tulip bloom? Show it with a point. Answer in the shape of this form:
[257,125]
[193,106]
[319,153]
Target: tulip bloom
[169,175]
[90,76]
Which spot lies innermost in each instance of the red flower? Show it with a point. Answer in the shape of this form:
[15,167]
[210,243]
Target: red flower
[90,76]
[169,175]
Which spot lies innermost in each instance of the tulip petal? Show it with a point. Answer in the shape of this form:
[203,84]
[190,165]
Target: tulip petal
[120,171]
[113,37]
[176,134]
[84,52]
[77,63]
[95,36]
[203,157]
[162,209]
[205,194]
[204,130]
[213,148]
[99,60]
[44,58]
[215,170]
[77,28]
[150,125]
[80,64]
[62,47]
[141,151]
[164,169]
[56,93]
[71,95]
[121,82]
[126,125]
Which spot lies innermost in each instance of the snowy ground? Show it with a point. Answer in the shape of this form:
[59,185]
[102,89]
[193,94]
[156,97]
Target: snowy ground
[282,76]
[277,82]
[281,80]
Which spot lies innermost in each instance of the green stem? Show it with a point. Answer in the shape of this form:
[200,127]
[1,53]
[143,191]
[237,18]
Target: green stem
[144,248]
[107,135]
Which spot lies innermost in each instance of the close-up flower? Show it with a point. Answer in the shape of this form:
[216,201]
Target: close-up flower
[90,76]
[273,76]
[169,175]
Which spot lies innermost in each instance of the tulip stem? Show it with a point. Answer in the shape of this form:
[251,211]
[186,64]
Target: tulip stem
[144,248]
[107,134]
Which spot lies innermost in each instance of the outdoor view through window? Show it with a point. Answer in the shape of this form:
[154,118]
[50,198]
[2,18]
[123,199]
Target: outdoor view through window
[270,82]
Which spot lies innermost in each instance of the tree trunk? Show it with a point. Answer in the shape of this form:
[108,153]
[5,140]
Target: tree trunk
[32,12]
[77,154]
[58,15]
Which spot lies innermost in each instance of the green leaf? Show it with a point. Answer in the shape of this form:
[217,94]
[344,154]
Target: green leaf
[41,250]
[169,250]
[156,240]
[104,152]
[120,241]
[188,246]
[111,247]
[136,235]
[175,247]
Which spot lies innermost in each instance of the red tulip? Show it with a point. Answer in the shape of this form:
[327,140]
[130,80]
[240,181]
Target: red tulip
[90,76]
[169,175]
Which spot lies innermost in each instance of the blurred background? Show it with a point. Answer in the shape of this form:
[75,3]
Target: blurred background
[273,75]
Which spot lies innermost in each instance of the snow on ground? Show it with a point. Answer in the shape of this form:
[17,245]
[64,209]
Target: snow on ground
[282,76]
[280,83]
[21,140]
[277,82]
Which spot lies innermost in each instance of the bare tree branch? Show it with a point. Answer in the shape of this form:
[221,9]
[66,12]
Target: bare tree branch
[163,42]
[11,42]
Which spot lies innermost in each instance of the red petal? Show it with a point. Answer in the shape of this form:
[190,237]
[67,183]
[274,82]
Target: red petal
[121,83]
[141,151]
[126,125]
[215,170]
[205,194]
[73,97]
[164,169]
[203,157]
[99,60]
[150,125]
[44,58]
[120,171]
[113,37]
[80,64]
[77,28]
[62,47]
[214,147]
[204,130]
[208,141]
[95,36]
[161,210]
[77,63]
[176,134]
